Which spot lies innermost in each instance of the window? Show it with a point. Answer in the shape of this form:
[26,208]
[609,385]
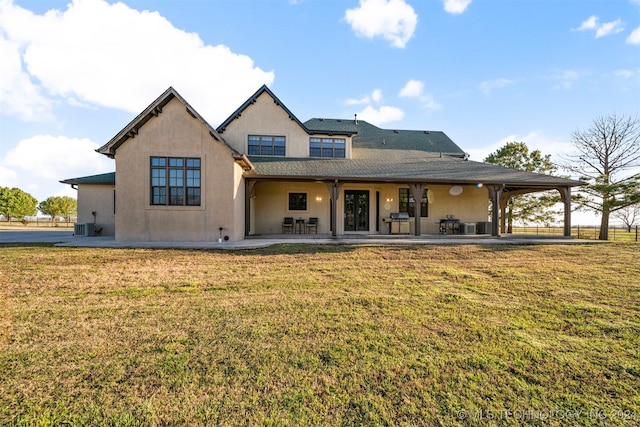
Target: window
[297,201]
[262,145]
[407,204]
[175,181]
[327,147]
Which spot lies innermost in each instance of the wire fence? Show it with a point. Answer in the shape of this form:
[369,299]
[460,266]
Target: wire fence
[34,221]
[589,232]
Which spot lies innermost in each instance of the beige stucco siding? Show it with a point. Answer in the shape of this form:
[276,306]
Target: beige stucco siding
[270,206]
[265,117]
[175,133]
[98,199]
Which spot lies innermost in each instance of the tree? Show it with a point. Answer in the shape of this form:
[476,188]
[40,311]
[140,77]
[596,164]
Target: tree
[54,206]
[15,203]
[629,216]
[532,208]
[606,156]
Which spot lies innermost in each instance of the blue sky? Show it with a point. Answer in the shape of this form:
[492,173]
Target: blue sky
[483,71]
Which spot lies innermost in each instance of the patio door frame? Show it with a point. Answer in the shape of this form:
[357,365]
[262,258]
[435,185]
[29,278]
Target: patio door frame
[361,203]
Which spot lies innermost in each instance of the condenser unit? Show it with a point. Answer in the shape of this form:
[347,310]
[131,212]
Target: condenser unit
[84,229]
[469,228]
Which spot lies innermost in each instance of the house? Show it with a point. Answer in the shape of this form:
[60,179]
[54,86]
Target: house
[180,179]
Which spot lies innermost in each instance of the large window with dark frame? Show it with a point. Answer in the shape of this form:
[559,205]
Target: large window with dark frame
[407,204]
[265,145]
[175,181]
[327,147]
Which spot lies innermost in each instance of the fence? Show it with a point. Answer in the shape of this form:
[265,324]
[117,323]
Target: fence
[589,232]
[32,221]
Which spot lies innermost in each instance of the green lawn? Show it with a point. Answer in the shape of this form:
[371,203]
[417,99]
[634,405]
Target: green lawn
[321,335]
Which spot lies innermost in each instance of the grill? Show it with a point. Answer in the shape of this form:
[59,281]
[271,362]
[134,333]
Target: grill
[398,223]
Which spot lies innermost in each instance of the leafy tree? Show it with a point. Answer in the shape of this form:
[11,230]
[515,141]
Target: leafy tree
[15,203]
[606,156]
[54,206]
[531,208]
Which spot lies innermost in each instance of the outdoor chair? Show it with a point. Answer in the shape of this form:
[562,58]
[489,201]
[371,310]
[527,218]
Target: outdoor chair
[287,224]
[312,224]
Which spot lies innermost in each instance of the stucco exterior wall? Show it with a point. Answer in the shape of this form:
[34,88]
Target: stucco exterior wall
[265,117]
[270,206]
[98,199]
[175,133]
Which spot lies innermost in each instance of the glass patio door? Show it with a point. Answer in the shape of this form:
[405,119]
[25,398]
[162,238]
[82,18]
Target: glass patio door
[356,210]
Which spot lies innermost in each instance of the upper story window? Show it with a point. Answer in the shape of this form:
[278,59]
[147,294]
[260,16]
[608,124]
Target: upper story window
[175,181]
[407,204]
[327,147]
[265,145]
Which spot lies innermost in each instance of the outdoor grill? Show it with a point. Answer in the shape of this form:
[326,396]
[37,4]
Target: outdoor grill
[398,223]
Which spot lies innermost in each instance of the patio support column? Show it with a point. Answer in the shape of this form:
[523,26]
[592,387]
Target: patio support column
[504,201]
[248,195]
[495,194]
[417,190]
[565,194]
[334,193]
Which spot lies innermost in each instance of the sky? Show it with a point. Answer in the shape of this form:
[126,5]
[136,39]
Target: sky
[485,72]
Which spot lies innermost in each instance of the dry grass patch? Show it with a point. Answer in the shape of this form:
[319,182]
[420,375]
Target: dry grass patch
[319,335]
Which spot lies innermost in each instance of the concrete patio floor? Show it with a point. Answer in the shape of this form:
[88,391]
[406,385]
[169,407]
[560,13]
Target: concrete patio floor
[66,239]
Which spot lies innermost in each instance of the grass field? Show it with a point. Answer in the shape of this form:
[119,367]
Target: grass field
[321,335]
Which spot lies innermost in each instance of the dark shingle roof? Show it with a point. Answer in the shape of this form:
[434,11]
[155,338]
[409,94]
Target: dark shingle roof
[370,136]
[104,178]
[383,165]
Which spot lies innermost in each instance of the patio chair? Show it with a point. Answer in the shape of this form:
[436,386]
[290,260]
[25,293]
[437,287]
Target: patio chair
[287,224]
[312,223]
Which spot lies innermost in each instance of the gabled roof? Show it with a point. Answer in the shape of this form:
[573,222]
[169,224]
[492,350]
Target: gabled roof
[103,179]
[370,136]
[153,110]
[252,100]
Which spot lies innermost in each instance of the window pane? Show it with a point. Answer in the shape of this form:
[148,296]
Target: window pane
[278,141]
[338,152]
[297,201]
[193,196]
[193,163]
[159,196]
[266,150]
[158,161]
[175,177]
[176,196]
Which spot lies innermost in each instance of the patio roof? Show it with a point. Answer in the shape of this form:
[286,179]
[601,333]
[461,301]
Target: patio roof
[384,165]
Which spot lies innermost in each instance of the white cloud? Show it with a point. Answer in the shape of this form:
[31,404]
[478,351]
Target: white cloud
[379,116]
[488,86]
[565,79]
[415,89]
[19,96]
[8,177]
[412,89]
[607,28]
[589,24]
[57,157]
[375,96]
[604,29]
[114,56]
[634,37]
[456,6]
[394,20]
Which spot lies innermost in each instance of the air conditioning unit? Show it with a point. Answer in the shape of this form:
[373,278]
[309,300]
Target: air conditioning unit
[469,228]
[84,229]
[484,227]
